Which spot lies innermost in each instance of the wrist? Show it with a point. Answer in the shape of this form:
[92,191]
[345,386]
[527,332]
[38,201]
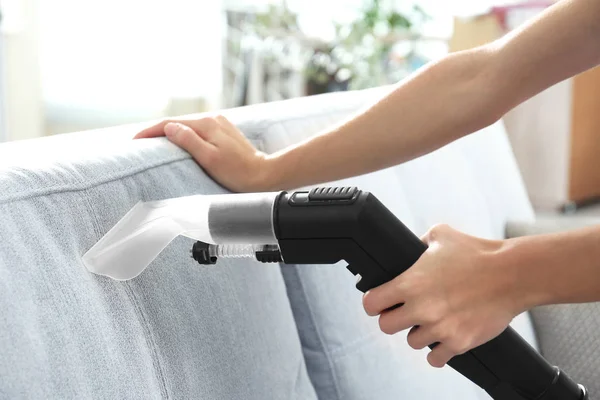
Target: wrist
[272,173]
[520,260]
[282,170]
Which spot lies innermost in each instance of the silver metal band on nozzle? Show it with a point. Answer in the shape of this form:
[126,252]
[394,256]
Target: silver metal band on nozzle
[243,218]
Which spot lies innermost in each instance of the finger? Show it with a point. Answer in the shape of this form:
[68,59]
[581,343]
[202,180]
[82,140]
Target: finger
[208,128]
[153,131]
[229,128]
[158,129]
[397,320]
[205,127]
[186,138]
[440,355]
[383,297]
[420,337]
[225,123]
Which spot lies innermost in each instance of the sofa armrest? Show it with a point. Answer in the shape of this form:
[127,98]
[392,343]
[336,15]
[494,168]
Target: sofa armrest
[547,224]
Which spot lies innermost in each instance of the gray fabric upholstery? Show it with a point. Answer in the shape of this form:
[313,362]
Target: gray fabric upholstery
[569,336]
[178,331]
[548,224]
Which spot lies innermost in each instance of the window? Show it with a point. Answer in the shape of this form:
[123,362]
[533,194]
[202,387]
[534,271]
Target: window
[128,57]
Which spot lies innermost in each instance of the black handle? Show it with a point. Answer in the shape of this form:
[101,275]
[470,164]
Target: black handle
[326,226]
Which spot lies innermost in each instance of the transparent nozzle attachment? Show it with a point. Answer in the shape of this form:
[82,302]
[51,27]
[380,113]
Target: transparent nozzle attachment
[143,233]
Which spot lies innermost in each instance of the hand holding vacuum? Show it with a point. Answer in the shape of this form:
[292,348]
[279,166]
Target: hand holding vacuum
[461,292]
[327,225]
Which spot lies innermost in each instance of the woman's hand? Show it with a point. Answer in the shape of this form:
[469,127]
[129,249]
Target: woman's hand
[220,148]
[458,294]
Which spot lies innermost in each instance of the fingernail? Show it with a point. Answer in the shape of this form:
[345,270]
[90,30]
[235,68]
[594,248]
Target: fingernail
[171,129]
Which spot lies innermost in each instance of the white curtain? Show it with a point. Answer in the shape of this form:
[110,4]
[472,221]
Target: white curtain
[129,56]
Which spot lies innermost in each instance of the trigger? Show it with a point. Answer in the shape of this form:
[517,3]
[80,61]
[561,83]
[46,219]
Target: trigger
[351,269]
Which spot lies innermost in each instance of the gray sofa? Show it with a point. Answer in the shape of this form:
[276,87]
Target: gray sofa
[239,330]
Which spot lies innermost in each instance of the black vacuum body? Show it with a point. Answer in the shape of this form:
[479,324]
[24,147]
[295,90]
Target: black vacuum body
[328,224]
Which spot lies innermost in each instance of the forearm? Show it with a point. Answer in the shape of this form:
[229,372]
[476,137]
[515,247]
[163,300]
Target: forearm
[449,99]
[437,105]
[555,268]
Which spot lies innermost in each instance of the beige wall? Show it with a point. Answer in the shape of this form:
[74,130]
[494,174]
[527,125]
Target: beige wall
[23,92]
[539,131]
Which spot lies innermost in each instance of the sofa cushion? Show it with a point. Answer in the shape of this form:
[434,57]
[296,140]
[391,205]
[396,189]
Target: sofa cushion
[178,330]
[473,185]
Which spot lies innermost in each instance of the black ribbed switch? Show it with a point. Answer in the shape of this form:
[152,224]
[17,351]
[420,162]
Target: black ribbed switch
[332,193]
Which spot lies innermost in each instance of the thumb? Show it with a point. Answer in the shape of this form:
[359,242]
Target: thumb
[186,138]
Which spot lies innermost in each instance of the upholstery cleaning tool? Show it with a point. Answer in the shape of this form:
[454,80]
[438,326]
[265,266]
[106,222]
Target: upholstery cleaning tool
[322,226]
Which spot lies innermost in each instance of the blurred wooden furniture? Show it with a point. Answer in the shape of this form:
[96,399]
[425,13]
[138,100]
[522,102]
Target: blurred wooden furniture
[584,172]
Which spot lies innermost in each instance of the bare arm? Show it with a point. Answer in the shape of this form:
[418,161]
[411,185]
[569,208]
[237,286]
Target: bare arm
[448,99]
[556,268]
[456,96]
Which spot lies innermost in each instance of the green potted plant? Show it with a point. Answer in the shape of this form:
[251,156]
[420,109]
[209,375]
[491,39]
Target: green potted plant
[359,56]
[327,70]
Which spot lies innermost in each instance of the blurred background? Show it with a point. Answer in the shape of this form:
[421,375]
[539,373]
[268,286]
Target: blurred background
[72,65]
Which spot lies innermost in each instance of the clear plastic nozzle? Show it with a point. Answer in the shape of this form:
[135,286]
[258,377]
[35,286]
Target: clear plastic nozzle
[139,237]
